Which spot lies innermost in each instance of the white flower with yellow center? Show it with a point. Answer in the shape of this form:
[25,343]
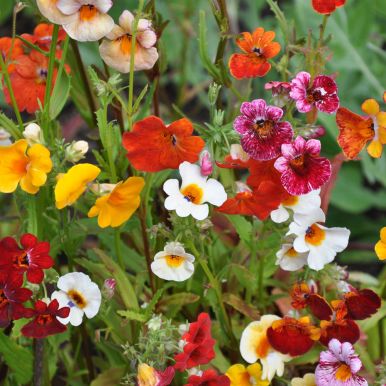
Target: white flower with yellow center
[80,294]
[173,263]
[195,191]
[254,345]
[289,259]
[321,243]
[302,204]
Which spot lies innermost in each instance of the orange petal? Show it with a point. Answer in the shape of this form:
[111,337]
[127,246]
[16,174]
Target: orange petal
[370,107]
[248,66]
[267,38]
[375,149]
[271,50]
[246,42]
[383,234]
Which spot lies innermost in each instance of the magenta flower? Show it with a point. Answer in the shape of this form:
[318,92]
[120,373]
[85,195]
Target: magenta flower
[339,366]
[261,132]
[301,168]
[280,92]
[321,94]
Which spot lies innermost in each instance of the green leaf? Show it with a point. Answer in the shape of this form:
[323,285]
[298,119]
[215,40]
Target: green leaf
[244,276]
[110,377]
[133,315]
[239,305]
[179,299]
[243,227]
[10,126]
[59,95]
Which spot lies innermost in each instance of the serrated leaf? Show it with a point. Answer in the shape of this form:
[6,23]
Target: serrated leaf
[179,299]
[239,305]
[133,315]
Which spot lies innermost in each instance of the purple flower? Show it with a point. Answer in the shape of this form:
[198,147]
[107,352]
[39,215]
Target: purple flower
[321,94]
[339,366]
[206,163]
[261,132]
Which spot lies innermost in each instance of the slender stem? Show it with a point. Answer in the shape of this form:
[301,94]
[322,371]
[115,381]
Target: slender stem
[38,362]
[118,249]
[51,65]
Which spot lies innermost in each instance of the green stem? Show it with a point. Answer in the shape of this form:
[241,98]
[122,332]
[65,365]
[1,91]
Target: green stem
[32,226]
[118,249]
[51,65]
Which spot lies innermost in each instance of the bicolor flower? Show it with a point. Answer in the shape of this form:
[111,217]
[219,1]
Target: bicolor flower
[208,378]
[115,50]
[116,207]
[321,93]
[307,380]
[380,246]
[361,304]
[326,7]
[24,165]
[321,243]
[262,133]
[152,146]
[195,191]
[289,259]
[257,48]
[149,376]
[339,366]
[80,294]
[173,263]
[301,167]
[240,375]
[50,10]
[72,185]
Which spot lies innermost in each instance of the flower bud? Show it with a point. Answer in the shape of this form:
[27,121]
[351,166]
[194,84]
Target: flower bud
[76,151]
[32,133]
[237,152]
[206,163]
[109,287]
[214,90]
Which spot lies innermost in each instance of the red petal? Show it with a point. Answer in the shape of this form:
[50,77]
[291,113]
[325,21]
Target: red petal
[248,66]
[319,307]
[28,241]
[362,304]
[344,331]
[324,6]
[35,275]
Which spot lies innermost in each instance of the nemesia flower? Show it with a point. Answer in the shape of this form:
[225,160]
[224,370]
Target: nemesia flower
[361,304]
[254,345]
[289,259]
[195,191]
[149,376]
[380,246]
[356,131]
[257,48]
[80,294]
[262,133]
[301,167]
[307,380]
[50,10]
[173,263]
[199,331]
[5,51]
[71,185]
[326,7]
[116,207]
[321,243]
[339,366]
[208,378]
[206,163]
[302,204]
[321,94]
[32,133]
[152,146]
[240,375]
[280,92]
[42,36]
[344,330]
[25,165]
[116,49]
[45,320]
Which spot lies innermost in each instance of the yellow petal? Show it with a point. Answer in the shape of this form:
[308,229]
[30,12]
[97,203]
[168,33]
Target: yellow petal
[380,250]
[383,234]
[94,211]
[104,218]
[381,118]
[27,186]
[375,149]
[238,375]
[370,107]
[39,157]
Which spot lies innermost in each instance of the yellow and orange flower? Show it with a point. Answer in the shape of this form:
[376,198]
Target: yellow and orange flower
[25,165]
[380,246]
[240,375]
[257,48]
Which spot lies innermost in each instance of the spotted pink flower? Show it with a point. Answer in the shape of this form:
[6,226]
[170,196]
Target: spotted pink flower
[339,366]
[322,93]
[262,133]
[301,168]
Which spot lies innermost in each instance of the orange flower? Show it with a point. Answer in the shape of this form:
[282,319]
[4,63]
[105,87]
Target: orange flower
[327,6]
[152,146]
[257,48]
[42,36]
[5,50]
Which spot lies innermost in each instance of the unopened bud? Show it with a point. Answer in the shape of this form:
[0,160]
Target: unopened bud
[32,133]
[76,151]
[237,152]
[109,287]
[206,163]
[214,90]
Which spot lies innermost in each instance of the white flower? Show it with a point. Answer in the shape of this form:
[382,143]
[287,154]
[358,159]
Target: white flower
[78,292]
[32,133]
[194,192]
[76,151]
[173,263]
[302,204]
[321,243]
[5,138]
[155,323]
[289,259]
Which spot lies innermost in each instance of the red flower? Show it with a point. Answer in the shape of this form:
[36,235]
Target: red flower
[345,330]
[327,6]
[199,331]
[361,304]
[32,258]
[152,146]
[45,322]
[42,36]
[5,50]
[208,378]
[195,354]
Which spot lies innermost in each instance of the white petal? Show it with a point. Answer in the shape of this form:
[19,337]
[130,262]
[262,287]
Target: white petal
[161,269]
[145,58]
[307,202]
[214,193]
[171,202]
[147,38]
[314,216]
[191,174]
[337,238]
[115,33]
[74,318]
[143,24]
[184,208]
[126,20]
[102,5]
[72,280]
[61,297]
[171,187]
[300,244]
[200,212]
[293,263]
[49,10]
[319,257]
[68,7]
[279,215]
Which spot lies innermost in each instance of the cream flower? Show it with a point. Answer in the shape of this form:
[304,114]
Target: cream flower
[78,292]
[49,9]
[32,133]
[307,380]
[289,259]
[116,49]
[321,243]
[173,263]
[195,191]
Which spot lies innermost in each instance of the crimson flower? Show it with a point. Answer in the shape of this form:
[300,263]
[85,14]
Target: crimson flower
[195,354]
[199,331]
[326,7]
[208,378]
[361,304]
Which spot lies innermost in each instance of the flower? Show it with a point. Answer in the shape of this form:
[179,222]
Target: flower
[70,186]
[149,376]
[5,50]
[380,246]
[262,133]
[326,7]
[42,36]
[25,165]
[173,263]
[208,378]
[116,49]
[254,345]
[289,259]
[206,163]
[280,92]
[321,243]
[49,9]
[339,366]
[76,151]
[240,375]
[109,286]
[116,207]
[257,48]
[321,94]
[237,159]
[361,304]
[195,191]
[307,380]
[45,320]
[344,330]
[88,19]
[301,168]
[152,146]
[356,131]
[80,294]
[32,133]
[199,331]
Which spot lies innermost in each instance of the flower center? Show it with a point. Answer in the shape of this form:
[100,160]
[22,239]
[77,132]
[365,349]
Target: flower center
[343,373]
[262,347]
[264,129]
[3,298]
[41,75]
[257,51]
[315,235]
[291,252]
[21,261]
[77,299]
[174,261]
[315,95]
[193,193]
[44,319]
[125,44]
[290,201]
[87,12]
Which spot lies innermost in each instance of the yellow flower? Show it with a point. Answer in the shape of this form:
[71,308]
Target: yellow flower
[242,376]
[27,166]
[147,376]
[114,208]
[71,185]
[307,380]
[380,246]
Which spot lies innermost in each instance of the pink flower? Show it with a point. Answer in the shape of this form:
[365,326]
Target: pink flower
[339,366]
[206,163]
[280,92]
[301,168]
[261,132]
[321,94]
